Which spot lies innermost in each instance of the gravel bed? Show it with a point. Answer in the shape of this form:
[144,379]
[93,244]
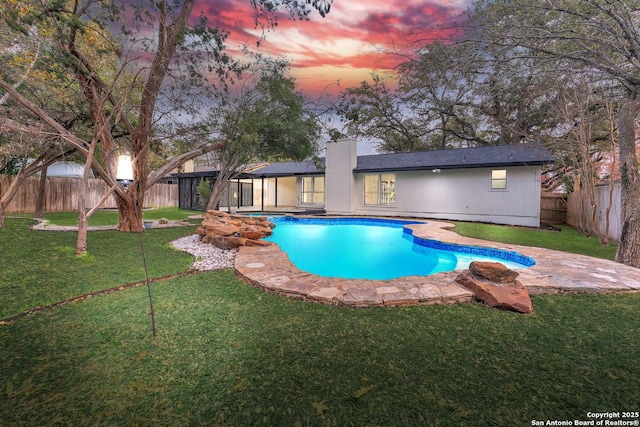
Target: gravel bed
[45,225]
[207,256]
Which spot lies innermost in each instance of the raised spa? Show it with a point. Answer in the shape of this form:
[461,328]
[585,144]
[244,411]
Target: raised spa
[379,249]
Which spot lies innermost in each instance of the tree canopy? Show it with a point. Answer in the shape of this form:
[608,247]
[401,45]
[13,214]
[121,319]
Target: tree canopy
[587,37]
[262,118]
[516,72]
[142,74]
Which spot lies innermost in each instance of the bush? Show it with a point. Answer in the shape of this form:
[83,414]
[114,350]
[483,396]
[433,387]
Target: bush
[204,192]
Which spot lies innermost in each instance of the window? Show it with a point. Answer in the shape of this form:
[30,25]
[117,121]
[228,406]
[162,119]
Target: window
[380,189]
[313,190]
[499,179]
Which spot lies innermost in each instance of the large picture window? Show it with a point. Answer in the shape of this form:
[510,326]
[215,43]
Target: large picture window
[380,189]
[313,190]
[499,179]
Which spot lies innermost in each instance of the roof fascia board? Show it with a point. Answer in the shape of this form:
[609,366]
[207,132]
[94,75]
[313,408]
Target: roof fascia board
[428,168]
[257,174]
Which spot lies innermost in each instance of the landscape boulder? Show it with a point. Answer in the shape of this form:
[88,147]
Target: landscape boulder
[232,231]
[493,271]
[496,285]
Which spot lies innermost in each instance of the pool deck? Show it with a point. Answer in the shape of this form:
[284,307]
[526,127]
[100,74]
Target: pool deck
[269,268]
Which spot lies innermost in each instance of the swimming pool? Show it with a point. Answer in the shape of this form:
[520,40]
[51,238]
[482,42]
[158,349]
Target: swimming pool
[377,249]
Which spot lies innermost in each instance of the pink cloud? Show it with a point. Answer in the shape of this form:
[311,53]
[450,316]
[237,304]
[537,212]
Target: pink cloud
[347,42]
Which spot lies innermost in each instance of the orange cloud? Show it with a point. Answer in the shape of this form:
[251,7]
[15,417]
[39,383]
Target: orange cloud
[347,45]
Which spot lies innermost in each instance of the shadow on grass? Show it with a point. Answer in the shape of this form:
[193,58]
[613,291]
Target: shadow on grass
[229,354]
[40,267]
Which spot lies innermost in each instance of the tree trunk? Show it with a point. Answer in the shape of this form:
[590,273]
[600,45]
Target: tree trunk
[614,147]
[27,170]
[42,186]
[216,193]
[607,224]
[81,239]
[130,206]
[130,212]
[6,198]
[83,226]
[629,247]
[223,180]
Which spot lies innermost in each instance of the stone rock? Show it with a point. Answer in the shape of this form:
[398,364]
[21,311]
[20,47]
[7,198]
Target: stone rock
[214,213]
[253,242]
[225,229]
[231,231]
[265,231]
[252,234]
[223,242]
[493,271]
[511,296]
[209,223]
[265,223]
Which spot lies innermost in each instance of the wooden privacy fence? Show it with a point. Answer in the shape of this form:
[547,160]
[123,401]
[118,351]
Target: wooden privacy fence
[602,200]
[553,208]
[61,195]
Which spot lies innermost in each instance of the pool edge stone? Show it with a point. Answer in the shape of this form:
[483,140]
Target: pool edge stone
[547,276]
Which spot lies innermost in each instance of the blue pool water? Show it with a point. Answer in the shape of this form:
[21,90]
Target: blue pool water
[355,248]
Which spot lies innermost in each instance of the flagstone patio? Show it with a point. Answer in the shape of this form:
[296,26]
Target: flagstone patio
[555,272]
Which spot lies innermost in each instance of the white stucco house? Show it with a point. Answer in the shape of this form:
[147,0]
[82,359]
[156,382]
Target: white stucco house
[498,184]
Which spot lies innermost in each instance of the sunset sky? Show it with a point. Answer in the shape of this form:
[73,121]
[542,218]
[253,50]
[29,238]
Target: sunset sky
[345,45]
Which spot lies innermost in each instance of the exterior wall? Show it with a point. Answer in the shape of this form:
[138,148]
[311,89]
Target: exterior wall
[462,194]
[340,181]
[287,191]
[269,193]
[308,205]
[257,193]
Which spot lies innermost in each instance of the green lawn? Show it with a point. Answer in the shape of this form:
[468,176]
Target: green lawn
[566,239]
[41,267]
[110,216]
[229,354]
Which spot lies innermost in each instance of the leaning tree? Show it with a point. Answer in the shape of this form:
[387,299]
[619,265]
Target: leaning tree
[164,65]
[263,119]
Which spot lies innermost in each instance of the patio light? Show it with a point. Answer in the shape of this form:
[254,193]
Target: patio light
[124,173]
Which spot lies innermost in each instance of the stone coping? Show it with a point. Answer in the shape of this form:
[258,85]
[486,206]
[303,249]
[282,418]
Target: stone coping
[554,272]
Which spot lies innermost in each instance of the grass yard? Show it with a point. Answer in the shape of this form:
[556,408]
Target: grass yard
[230,354]
[40,267]
[110,216]
[566,240]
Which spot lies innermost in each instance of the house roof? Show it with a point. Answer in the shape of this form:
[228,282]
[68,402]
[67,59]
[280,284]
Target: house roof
[307,167]
[248,168]
[494,156]
[476,157]
[207,174]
